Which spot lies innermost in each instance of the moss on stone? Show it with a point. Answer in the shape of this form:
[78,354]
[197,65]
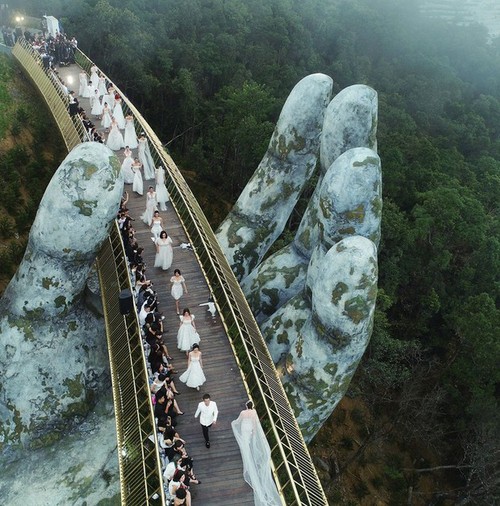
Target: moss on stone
[357,214]
[72,326]
[299,346]
[46,439]
[299,323]
[331,369]
[369,160]
[9,351]
[86,206]
[283,148]
[249,254]
[376,205]
[347,231]
[111,501]
[74,386]
[34,314]
[48,282]
[24,326]
[305,238]
[324,204]
[89,171]
[357,309]
[80,408]
[339,290]
[282,338]
[365,282]
[273,296]
[60,301]
[115,164]
[333,336]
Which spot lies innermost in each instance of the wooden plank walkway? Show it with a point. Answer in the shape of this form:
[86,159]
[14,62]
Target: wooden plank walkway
[219,467]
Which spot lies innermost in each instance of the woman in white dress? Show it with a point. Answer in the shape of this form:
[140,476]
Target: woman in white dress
[187,335]
[83,90]
[137,185]
[178,288]
[128,173]
[109,98]
[115,137]
[256,456]
[90,92]
[130,136]
[106,117]
[94,78]
[151,206]
[162,195]
[96,105]
[101,87]
[164,252]
[145,157]
[118,113]
[194,376]
[156,225]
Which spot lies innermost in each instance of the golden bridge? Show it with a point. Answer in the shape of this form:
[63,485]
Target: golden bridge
[235,353]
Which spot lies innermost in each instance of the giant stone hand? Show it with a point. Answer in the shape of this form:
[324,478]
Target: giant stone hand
[54,356]
[314,300]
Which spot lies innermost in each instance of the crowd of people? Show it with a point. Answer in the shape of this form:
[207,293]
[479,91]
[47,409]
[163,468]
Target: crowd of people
[55,50]
[178,466]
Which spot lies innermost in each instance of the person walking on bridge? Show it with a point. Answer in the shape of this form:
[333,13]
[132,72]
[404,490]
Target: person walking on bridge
[207,409]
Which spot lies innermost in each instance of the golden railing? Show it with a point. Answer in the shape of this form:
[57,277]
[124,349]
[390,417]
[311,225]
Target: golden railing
[140,468]
[139,464]
[295,473]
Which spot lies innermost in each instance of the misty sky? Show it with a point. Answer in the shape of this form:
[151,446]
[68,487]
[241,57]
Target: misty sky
[486,12]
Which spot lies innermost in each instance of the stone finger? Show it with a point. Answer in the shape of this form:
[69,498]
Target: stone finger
[260,214]
[349,203]
[317,342]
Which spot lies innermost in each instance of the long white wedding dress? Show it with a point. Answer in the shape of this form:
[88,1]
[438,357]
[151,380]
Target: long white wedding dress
[256,456]
[144,156]
[162,195]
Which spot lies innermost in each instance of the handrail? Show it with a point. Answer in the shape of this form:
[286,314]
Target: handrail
[141,479]
[294,471]
[131,394]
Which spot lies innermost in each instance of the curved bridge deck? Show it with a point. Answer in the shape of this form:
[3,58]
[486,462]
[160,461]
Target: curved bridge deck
[219,468]
[237,363]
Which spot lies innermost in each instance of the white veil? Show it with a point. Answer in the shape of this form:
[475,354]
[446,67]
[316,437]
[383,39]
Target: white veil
[256,456]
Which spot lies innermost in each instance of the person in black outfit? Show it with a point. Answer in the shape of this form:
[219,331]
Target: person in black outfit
[73,104]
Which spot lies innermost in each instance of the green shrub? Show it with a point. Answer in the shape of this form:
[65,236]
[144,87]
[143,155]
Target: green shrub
[7,226]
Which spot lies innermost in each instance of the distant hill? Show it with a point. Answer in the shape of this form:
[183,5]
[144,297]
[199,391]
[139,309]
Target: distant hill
[485,12]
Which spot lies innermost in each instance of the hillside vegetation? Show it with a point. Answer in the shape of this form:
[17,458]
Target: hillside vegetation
[421,424]
[30,150]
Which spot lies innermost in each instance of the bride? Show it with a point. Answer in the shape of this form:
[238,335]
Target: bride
[256,456]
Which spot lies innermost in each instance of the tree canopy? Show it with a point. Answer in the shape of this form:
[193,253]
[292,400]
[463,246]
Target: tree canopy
[211,77]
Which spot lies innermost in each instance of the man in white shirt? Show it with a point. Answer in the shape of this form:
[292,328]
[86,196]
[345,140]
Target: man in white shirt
[145,310]
[208,412]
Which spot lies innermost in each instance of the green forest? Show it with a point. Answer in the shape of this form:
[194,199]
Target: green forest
[420,424]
